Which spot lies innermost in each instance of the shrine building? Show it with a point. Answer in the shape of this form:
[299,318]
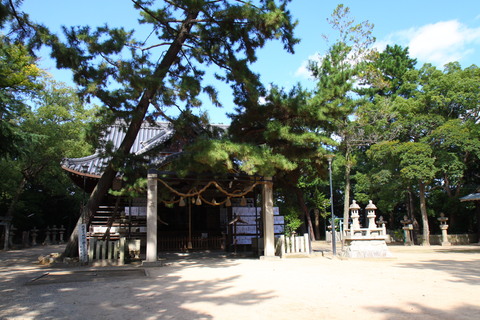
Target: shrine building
[227,212]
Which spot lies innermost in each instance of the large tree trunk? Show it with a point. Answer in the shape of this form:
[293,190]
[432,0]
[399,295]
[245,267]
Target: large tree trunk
[11,210]
[411,214]
[108,176]
[423,210]
[305,210]
[16,197]
[410,205]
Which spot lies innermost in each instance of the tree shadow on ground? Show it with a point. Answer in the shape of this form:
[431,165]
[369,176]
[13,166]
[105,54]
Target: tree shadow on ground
[467,271]
[163,294]
[27,256]
[417,311]
[212,259]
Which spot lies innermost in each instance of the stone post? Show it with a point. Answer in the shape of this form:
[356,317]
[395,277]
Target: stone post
[151,255]
[34,235]
[444,227]
[354,207]
[268,222]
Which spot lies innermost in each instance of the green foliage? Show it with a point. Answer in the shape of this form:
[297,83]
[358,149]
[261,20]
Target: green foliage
[224,156]
[139,79]
[133,189]
[34,185]
[292,220]
[416,161]
[386,74]
[292,134]
[113,66]
[18,82]
[430,132]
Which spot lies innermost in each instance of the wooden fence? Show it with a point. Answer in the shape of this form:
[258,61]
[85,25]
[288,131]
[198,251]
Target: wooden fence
[106,251]
[293,245]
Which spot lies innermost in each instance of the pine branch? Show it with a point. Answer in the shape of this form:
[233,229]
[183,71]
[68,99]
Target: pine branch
[161,112]
[150,47]
[15,14]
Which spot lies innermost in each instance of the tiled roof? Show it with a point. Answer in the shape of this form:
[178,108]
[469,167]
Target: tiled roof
[471,197]
[148,137]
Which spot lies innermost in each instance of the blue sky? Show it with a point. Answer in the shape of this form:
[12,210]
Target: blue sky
[436,32]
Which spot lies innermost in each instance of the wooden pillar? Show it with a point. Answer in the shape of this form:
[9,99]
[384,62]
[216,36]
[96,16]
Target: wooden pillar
[267,215]
[151,217]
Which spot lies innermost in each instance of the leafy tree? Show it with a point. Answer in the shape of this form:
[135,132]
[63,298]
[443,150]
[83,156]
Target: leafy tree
[431,115]
[412,162]
[388,80]
[337,75]
[56,124]
[18,82]
[453,94]
[386,75]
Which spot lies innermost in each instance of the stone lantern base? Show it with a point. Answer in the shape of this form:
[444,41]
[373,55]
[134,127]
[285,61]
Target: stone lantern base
[366,248]
[445,241]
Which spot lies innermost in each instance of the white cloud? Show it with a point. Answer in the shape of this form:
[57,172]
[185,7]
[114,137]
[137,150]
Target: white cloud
[437,43]
[302,71]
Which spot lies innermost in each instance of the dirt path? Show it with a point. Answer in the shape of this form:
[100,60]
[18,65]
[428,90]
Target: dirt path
[419,283]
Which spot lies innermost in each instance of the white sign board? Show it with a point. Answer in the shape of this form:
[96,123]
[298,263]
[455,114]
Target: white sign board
[82,243]
[251,220]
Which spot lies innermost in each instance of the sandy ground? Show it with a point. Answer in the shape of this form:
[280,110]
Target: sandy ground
[419,283]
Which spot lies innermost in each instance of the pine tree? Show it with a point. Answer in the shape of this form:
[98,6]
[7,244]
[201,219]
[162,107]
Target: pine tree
[138,79]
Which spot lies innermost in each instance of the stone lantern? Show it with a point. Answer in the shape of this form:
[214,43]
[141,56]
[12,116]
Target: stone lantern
[53,234]
[61,232]
[34,234]
[10,236]
[47,241]
[354,207]
[365,242]
[407,228]
[381,223]
[444,226]
[371,214]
